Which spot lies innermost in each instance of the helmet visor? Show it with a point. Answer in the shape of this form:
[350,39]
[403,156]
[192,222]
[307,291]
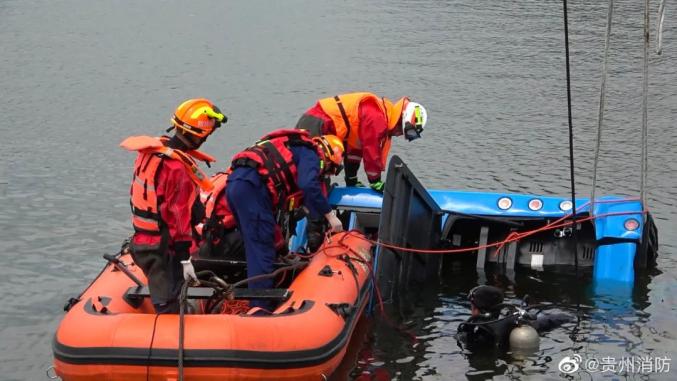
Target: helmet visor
[411,132]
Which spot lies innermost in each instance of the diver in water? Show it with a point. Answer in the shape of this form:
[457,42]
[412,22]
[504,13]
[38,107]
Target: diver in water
[495,324]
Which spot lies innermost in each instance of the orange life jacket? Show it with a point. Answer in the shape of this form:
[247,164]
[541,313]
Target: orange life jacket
[344,112]
[210,198]
[144,201]
[273,159]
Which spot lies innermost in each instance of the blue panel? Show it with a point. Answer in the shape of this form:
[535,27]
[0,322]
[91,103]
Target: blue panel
[298,240]
[352,221]
[487,203]
[484,203]
[615,262]
[613,226]
[354,197]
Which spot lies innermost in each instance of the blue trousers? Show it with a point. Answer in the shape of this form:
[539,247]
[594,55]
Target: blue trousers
[250,201]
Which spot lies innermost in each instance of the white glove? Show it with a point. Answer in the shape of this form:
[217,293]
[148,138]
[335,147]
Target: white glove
[189,271]
[335,224]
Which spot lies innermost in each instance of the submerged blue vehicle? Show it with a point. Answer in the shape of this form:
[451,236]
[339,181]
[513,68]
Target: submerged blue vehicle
[508,231]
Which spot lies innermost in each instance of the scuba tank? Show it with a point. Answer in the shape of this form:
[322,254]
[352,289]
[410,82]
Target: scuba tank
[524,338]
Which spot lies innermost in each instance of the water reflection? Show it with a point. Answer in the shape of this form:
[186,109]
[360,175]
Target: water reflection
[416,337]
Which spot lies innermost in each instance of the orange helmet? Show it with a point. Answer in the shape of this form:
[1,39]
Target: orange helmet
[332,149]
[198,117]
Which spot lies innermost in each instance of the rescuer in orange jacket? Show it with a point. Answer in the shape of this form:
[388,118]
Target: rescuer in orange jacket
[366,123]
[219,237]
[164,191]
[266,180]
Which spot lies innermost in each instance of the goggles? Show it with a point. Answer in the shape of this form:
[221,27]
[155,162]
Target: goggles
[412,131]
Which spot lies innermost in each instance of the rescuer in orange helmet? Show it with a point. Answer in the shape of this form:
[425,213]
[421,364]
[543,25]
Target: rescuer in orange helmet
[165,187]
[282,170]
[365,123]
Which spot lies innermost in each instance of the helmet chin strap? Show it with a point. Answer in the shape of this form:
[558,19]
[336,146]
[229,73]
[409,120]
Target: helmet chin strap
[189,142]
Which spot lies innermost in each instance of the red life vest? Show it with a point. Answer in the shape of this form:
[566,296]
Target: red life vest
[210,199]
[144,201]
[273,159]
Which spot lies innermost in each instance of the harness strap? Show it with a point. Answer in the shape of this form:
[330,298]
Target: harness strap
[296,140]
[145,213]
[244,162]
[281,164]
[343,115]
[275,175]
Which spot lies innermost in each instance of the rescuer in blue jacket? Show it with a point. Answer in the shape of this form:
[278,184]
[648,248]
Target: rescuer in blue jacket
[281,169]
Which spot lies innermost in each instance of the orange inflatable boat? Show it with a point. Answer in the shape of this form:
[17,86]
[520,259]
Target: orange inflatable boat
[111,331]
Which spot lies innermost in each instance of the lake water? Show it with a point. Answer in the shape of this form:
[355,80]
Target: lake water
[79,76]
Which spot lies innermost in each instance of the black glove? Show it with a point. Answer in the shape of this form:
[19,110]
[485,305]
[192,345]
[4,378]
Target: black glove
[315,233]
[182,250]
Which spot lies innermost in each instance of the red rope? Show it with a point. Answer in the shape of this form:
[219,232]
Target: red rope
[564,221]
[235,307]
[512,237]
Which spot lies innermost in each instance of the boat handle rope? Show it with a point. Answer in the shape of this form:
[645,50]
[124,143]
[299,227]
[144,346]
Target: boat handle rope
[357,257]
[182,317]
[51,373]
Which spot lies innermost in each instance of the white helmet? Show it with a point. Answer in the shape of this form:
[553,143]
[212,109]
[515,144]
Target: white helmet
[414,118]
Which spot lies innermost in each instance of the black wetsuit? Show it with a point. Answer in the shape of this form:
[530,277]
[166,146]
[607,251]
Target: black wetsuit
[485,332]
